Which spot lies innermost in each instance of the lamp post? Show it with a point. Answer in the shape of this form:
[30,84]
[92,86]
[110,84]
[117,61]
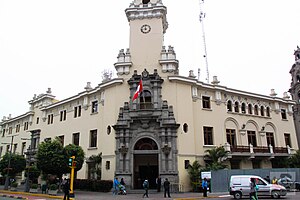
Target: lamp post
[8,166]
[28,162]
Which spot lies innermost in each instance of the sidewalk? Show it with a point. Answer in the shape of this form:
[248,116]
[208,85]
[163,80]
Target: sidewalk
[85,195]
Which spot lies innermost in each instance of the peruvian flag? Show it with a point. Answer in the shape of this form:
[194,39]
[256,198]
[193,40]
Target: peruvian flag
[139,89]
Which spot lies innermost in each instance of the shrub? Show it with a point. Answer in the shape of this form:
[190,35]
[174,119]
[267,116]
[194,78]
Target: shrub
[93,185]
[53,187]
[14,184]
[34,186]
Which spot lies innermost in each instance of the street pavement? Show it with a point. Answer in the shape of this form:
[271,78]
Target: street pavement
[84,195]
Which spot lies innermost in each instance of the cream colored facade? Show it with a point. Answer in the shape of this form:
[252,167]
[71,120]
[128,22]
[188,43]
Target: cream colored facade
[180,119]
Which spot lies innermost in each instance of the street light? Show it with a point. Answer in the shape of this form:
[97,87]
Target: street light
[8,166]
[28,156]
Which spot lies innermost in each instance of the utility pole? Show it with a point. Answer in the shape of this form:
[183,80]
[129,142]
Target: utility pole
[28,163]
[8,166]
[201,19]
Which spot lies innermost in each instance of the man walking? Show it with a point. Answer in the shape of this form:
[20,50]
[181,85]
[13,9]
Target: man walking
[146,187]
[204,186]
[167,188]
[66,188]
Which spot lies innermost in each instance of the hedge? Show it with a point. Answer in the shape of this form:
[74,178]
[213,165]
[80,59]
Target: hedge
[93,185]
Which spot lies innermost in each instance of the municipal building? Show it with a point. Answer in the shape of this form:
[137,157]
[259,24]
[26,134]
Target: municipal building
[174,120]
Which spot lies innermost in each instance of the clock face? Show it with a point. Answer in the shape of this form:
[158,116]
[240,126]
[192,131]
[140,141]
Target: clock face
[145,28]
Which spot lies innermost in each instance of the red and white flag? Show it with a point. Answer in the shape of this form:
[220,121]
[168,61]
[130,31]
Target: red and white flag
[138,91]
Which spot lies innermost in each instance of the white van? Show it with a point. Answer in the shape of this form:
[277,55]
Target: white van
[240,186]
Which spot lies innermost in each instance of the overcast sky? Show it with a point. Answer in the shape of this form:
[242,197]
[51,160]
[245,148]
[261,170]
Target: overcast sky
[62,44]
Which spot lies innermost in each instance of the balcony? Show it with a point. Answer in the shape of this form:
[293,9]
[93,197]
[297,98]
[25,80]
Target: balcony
[258,151]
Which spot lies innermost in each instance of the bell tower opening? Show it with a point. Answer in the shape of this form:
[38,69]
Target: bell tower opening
[146,1]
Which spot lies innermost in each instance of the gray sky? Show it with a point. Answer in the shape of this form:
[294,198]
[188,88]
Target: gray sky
[63,44]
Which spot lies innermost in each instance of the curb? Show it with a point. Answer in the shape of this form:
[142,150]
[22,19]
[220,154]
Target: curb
[30,194]
[9,196]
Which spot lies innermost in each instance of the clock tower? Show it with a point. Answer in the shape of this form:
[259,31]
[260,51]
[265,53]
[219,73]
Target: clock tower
[295,91]
[148,23]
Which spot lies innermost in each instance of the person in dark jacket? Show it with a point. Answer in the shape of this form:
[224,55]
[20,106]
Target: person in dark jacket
[66,188]
[146,188]
[158,183]
[167,188]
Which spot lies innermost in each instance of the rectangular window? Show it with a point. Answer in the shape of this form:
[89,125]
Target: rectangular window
[18,128]
[34,143]
[208,135]
[186,164]
[77,111]
[270,139]
[93,138]
[230,135]
[50,119]
[37,120]
[62,139]
[3,132]
[15,148]
[94,106]
[287,139]
[25,126]
[76,139]
[63,115]
[252,138]
[206,102]
[10,130]
[107,165]
[7,148]
[23,148]
[283,114]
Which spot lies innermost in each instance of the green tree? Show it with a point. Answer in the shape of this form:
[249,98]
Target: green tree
[34,173]
[51,158]
[97,161]
[17,164]
[294,160]
[194,171]
[77,151]
[215,158]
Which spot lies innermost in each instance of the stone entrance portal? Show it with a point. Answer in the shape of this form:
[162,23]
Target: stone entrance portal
[146,135]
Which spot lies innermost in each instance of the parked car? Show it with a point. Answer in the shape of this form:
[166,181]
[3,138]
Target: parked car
[239,186]
[288,183]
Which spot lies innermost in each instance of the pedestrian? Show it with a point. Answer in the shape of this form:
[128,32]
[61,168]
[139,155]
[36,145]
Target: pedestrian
[66,188]
[274,180]
[158,183]
[268,179]
[204,187]
[116,186]
[122,182]
[167,188]
[146,188]
[253,189]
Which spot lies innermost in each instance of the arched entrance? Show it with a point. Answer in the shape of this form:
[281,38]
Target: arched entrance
[145,162]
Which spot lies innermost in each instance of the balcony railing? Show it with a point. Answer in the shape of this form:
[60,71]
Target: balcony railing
[280,150]
[258,149]
[240,148]
[261,149]
[146,105]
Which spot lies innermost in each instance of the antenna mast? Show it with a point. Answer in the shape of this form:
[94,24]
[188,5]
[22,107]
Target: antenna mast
[201,19]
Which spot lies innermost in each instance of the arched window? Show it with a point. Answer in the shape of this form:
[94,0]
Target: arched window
[268,112]
[229,106]
[243,108]
[256,110]
[250,109]
[236,107]
[145,144]
[262,111]
[146,100]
